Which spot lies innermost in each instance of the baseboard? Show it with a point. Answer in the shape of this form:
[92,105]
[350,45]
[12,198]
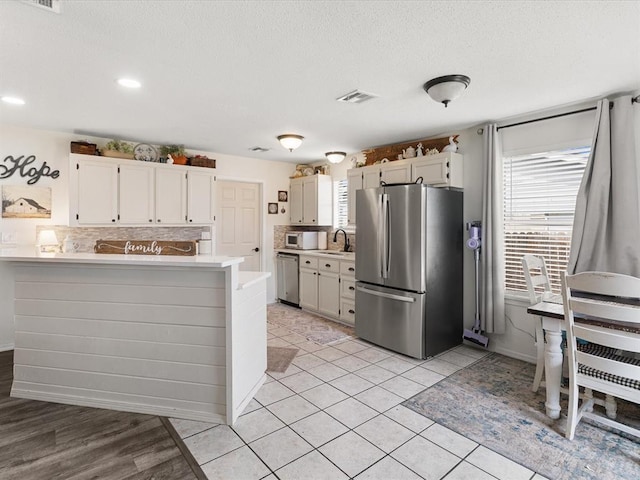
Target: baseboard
[6,347]
[113,405]
[514,354]
[243,404]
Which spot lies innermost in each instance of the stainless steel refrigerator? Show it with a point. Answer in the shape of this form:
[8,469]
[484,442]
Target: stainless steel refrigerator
[409,242]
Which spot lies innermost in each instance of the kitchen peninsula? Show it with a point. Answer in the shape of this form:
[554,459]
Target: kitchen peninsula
[165,335]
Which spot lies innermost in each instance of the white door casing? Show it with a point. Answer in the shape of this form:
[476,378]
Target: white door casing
[238,222]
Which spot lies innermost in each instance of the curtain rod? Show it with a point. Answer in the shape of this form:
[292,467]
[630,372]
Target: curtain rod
[633,100]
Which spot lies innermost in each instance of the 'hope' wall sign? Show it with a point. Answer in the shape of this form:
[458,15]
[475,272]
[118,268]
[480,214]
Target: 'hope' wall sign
[21,166]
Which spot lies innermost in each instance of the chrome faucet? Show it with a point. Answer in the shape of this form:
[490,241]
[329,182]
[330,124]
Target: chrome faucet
[347,245]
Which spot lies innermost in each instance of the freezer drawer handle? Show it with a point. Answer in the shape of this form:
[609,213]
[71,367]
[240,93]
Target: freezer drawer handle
[386,295]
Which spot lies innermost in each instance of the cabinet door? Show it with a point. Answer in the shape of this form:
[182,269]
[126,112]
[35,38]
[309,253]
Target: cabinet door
[295,202]
[136,194]
[329,294]
[393,173]
[371,177]
[310,200]
[354,182]
[433,171]
[200,197]
[171,196]
[309,288]
[97,193]
[348,311]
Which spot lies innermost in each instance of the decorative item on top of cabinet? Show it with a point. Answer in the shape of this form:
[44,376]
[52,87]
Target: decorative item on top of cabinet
[176,152]
[405,149]
[118,149]
[84,148]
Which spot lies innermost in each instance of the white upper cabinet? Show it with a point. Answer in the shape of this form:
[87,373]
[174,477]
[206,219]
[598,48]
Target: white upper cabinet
[441,170]
[107,191]
[311,200]
[137,186]
[371,176]
[171,196]
[201,194]
[96,193]
[395,172]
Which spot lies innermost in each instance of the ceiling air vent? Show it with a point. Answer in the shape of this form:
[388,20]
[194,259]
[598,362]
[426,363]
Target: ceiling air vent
[357,96]
[258,149]
[50,5]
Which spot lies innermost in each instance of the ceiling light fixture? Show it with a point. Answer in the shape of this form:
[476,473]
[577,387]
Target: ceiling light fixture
[129,83]
[13,100]
[447,88]
[335,157]
[290,141]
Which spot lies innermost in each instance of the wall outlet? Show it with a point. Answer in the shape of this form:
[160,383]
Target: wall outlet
[8,238]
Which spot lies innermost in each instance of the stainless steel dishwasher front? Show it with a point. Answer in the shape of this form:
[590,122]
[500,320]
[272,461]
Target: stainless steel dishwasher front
[287,276]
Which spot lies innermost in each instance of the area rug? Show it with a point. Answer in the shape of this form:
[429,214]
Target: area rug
[491,402]
[313,327]
[279,358]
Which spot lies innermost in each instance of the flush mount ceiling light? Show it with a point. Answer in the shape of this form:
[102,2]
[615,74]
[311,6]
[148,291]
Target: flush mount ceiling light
[129,83]
[290,141]
[447,88]
[335,157]
[13,100]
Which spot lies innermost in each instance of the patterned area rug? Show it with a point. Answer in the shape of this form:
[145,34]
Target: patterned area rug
[279,358]
[313,327]
[491,402]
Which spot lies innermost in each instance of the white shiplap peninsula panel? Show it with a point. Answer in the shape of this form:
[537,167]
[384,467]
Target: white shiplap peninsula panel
[144,338]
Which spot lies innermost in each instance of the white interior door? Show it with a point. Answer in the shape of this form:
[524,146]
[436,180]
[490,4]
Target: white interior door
[238,223]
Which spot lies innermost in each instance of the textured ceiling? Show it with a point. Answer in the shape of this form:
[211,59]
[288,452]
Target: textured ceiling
[225,76]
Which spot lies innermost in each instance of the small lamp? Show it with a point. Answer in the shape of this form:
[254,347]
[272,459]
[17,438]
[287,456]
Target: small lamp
[48,242]
[447,88]
[335,157]
[290,141]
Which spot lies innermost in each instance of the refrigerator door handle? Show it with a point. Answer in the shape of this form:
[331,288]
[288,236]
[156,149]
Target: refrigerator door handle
[386,295]
[385,235]
[380,234]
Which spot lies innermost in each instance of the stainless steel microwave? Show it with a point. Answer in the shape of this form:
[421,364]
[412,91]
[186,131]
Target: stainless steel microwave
[301,240]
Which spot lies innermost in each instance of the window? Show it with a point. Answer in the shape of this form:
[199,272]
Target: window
[539,203]
[341,203]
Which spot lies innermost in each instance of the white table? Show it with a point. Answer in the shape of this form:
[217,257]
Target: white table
[553,325]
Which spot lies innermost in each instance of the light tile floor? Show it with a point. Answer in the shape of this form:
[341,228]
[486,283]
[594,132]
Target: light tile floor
[336,413]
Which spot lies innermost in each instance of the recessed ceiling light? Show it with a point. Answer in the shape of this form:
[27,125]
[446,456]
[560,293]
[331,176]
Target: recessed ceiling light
[13,100]
[129,83]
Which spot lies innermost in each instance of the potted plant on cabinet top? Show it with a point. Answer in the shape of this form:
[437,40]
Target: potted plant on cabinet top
[177,153]
[118,149]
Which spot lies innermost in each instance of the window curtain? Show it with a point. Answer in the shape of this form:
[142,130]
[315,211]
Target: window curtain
[492,258]
[606,227]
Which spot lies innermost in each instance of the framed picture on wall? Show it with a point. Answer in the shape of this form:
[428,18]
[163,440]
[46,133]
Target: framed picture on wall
[283,196]
[25,201]
[272,208]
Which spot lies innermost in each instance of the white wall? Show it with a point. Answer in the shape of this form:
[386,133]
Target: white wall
[54,148]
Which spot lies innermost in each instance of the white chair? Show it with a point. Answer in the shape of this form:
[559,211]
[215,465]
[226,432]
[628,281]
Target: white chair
[609,363]
[536,276]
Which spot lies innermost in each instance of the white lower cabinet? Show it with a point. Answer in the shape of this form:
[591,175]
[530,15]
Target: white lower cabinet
[308,282]
[327,287]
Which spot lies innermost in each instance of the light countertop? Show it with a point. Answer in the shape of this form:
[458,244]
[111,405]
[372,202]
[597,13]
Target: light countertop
[335,254]
[31,254]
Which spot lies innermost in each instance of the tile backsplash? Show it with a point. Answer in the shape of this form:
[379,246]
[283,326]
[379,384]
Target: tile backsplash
[86,237]
[280,230]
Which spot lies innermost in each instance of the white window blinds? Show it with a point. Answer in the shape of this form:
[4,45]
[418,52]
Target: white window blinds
[539,203]
[341,203]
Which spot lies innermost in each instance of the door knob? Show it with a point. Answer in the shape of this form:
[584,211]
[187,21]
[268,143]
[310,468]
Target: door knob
[256,249]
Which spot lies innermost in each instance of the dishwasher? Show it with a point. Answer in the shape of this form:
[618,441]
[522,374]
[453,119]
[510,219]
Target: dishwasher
[287,275]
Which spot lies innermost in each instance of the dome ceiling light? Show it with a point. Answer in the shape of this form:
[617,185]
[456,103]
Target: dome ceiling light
[290,141]
[447,88]
[335,157]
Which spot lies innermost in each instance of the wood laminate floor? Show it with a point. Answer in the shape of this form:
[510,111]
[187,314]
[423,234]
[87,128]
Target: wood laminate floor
[41,440]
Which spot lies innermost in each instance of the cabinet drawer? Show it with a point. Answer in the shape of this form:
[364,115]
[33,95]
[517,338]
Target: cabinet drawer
[328,265]
[308,262]
[348,311]
[348,269]
[347,287]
